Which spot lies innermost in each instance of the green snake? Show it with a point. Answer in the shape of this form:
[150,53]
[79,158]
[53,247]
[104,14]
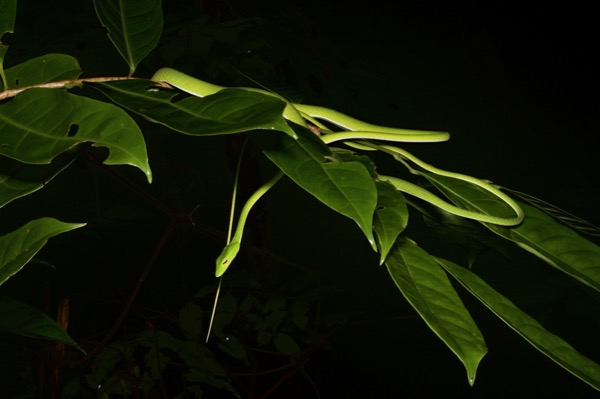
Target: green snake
[311,116]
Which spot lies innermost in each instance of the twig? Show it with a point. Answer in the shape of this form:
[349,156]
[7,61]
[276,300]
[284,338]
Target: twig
[62,85]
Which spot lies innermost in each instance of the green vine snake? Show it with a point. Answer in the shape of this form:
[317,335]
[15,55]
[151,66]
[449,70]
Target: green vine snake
[353,129]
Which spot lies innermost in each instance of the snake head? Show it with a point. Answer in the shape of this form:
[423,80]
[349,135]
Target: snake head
[227,256]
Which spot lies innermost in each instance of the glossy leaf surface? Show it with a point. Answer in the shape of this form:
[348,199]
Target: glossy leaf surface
[18,179]
[390,219]
[44,69]
[134,26]
[19,246]
[229,111]
[426,287]
[346,187]
[470,196]
[556,244]
[549,344]
[39,124]
[21,319]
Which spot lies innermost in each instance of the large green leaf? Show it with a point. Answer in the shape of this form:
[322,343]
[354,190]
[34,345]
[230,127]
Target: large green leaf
[346,187]
[556,244]
[39,124]
[134,26]
[21,319]
[18,247]
[228,111]
[18,179]
[544,341]
[426,287]
[44,69]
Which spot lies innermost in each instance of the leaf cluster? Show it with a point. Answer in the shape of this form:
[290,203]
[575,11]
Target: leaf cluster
[49,126]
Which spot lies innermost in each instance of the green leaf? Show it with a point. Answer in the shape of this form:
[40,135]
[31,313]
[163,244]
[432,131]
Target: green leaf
[426,287]
[229,111]
[344,155]
[275,310]
[346,187]
[190,321]
[39,124]
[299,313]
[549,344]
[470,196]
[234,348]
[44,69]
[474,237]
[8,13]
[285,344]
[18,247]
[21,319]
[18,179]
[134,26]
[574,222]
[391,217]
[226,310]
[556,244]
[202,366]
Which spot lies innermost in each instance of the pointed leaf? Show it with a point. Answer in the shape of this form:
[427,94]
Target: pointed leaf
[549,344]
[228,111]
[18,247]
[18,179]
[556,244]
[346,187]
[134,26]
[44,69]
[426,287]
[391,217]
[39,124]
[21,319]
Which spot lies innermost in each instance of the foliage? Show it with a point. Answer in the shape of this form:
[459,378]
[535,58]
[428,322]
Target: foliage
[55,126]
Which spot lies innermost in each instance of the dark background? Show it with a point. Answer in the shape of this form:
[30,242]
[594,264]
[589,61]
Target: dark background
[515,85]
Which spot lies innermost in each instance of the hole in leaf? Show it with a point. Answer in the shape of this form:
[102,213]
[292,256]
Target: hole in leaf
[73,129]
[380,208]
[6,39]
